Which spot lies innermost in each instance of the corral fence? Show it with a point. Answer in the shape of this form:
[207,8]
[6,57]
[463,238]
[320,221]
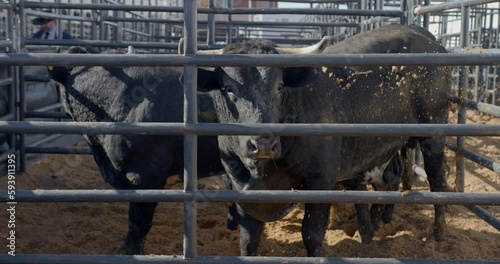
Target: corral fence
[130,22]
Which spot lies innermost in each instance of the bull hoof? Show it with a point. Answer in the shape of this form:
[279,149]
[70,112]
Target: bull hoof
[366,238]
[439,235]
[231,225]
[125,249]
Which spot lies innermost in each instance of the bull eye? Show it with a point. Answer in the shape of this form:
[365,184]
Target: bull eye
[227,89]
[280,86]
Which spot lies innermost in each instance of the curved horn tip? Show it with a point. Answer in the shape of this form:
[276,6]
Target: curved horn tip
[130,50]
[180,47]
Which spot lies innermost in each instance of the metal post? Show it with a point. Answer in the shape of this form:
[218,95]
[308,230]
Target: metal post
[102,25]
[462,93]
[426,16]
[211,25]
[190,117]
[21,100]
[229,33]
[12,71]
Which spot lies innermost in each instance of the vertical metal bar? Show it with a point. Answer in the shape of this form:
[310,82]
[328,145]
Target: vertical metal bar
[229,37]
[380,6]
[21,102]
[82,13]
[59,22]
[102,26]
[93,24]
[211,25]
[190,117]
[12,70]
[462,92]
[426,16]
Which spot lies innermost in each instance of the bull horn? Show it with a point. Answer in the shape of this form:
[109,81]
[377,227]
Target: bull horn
[180,49]
[313,49]
[131,50]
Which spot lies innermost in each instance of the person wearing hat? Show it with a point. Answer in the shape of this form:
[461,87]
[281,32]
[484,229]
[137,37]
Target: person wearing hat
[48,29]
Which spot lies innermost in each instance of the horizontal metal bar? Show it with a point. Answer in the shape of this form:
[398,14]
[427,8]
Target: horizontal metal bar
[118,3]
[450,5]
[57,150]
[6,81]
[311,60]
[477,158]
[317,1]
[7,117]
[482,107]
[36,78]
[148,259]
[36,114]
[485,215]
[5,6]
[233,11]
[238,23]
[44,140]
[5,43]
[49,107]
[268,196]
[101,43]
[473,50]
[211,129]
[5,155]
[58,16]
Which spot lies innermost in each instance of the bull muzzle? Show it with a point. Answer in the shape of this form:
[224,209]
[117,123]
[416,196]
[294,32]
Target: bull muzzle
[263,148]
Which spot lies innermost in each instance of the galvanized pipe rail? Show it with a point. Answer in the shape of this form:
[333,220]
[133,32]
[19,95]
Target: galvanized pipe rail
[316,60]
[285,129]
[274,196]
[477,158]
[146,259]
[450,5]
[233,11]
[239,23]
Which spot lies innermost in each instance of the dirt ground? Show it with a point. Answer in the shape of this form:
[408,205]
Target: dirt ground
[98,228]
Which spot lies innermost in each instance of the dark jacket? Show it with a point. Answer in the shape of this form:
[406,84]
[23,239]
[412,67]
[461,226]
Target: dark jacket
[39,34]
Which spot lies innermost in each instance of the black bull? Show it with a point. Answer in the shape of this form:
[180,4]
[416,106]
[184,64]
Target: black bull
[413,94]
[135,94]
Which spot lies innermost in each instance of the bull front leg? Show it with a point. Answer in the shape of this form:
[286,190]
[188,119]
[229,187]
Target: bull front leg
[250,233]
[314,227]
[140,221]
[233,217]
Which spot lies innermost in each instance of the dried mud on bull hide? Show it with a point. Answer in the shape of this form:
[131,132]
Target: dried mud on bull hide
[98,228]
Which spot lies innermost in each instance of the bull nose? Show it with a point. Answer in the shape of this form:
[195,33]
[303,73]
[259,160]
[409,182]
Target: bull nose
[264,148]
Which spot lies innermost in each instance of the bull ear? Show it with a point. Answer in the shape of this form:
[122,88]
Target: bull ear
[59,74]
[299,76]
[207,80]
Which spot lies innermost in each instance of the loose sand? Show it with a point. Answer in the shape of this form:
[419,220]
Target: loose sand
[98,228]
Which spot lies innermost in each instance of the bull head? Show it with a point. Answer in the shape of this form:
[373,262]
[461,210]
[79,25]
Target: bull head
[313,49]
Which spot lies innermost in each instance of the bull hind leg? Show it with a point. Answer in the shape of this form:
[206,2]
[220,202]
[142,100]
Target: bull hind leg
[363,212]
[433,154]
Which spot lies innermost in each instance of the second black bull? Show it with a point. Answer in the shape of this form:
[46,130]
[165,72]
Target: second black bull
[135,94]
[413,94]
